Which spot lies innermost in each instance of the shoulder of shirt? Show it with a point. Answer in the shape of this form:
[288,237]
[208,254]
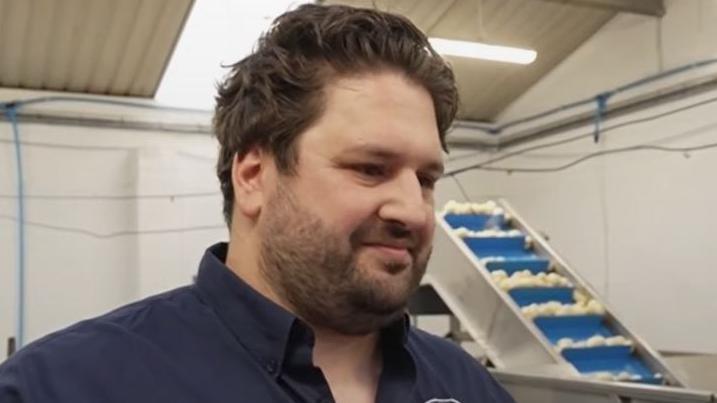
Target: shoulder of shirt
[440,351]
[446,360]
[116,327]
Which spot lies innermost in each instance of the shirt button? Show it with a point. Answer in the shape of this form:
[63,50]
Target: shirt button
[270,366]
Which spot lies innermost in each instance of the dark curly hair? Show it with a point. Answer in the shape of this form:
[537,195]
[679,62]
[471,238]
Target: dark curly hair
[274,94]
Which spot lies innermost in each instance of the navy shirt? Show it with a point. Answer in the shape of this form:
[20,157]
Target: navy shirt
[219,340]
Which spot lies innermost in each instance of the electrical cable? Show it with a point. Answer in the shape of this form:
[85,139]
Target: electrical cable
[481,164]
[63,98]
[112,197]
[460,187]
[69,146]
[115,234]
[643,147]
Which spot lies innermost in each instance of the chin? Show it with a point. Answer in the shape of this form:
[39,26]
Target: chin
[361,325]
[391,290]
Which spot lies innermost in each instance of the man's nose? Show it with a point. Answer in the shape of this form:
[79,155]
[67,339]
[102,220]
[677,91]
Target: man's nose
[405,203]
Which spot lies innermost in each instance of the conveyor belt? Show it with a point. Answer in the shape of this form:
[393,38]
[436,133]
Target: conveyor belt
[527,309]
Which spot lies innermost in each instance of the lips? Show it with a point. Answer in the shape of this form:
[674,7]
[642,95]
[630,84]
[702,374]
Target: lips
[403,243]
[392,252]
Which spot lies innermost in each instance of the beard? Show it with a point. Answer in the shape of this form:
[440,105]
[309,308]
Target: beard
[323,278]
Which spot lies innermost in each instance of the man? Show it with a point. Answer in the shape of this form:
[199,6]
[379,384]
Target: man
[330,144]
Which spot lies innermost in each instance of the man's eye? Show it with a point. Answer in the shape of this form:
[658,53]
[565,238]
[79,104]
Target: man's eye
[427,182]
[371,170]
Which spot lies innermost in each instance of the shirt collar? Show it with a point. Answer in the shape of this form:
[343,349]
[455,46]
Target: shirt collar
[260,325]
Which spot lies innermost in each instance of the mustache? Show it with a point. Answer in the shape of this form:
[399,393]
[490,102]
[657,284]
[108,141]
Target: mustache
[387,233]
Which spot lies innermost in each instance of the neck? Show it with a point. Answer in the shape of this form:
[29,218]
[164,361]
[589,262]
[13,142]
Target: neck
[242,259]
[329,344]
[352,364]
[348,358]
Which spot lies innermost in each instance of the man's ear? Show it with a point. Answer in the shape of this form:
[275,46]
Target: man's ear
[247,179]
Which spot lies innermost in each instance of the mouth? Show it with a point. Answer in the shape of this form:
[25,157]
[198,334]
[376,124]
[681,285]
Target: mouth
[394,254]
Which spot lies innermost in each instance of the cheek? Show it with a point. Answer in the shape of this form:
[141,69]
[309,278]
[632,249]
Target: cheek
[344,209]
[342,215]
[340,205]
[430,228]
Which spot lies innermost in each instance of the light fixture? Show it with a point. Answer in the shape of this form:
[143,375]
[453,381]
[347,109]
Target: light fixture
[479,50]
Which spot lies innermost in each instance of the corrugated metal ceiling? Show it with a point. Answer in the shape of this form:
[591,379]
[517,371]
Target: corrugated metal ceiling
[123,47]
[94,46]
[553,29]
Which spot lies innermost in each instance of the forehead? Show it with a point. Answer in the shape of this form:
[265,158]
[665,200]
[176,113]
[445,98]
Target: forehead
[382,110]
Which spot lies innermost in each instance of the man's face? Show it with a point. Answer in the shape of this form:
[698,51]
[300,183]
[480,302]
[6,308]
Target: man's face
[346,240]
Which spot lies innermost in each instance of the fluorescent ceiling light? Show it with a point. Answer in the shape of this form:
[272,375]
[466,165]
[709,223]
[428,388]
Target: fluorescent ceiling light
[479,50]
[217,32]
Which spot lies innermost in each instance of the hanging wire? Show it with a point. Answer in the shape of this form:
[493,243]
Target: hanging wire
[587,157]
[483,164]
[113,234]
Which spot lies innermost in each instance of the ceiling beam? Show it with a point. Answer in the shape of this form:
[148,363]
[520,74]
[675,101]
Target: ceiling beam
[646,7]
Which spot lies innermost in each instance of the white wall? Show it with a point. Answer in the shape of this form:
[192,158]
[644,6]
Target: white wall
[640,225]
[71,276]
[627,48]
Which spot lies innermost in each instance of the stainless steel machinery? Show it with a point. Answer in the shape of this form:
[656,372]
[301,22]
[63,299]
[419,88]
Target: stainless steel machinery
[544,329]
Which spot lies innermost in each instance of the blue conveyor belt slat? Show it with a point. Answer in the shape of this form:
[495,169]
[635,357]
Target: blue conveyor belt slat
[520,261]
[476,222]
[538,295]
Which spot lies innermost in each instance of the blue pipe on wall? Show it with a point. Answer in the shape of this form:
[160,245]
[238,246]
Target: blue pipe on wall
[10,110]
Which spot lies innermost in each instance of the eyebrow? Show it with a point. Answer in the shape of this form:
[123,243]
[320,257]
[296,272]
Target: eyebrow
[382,153]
